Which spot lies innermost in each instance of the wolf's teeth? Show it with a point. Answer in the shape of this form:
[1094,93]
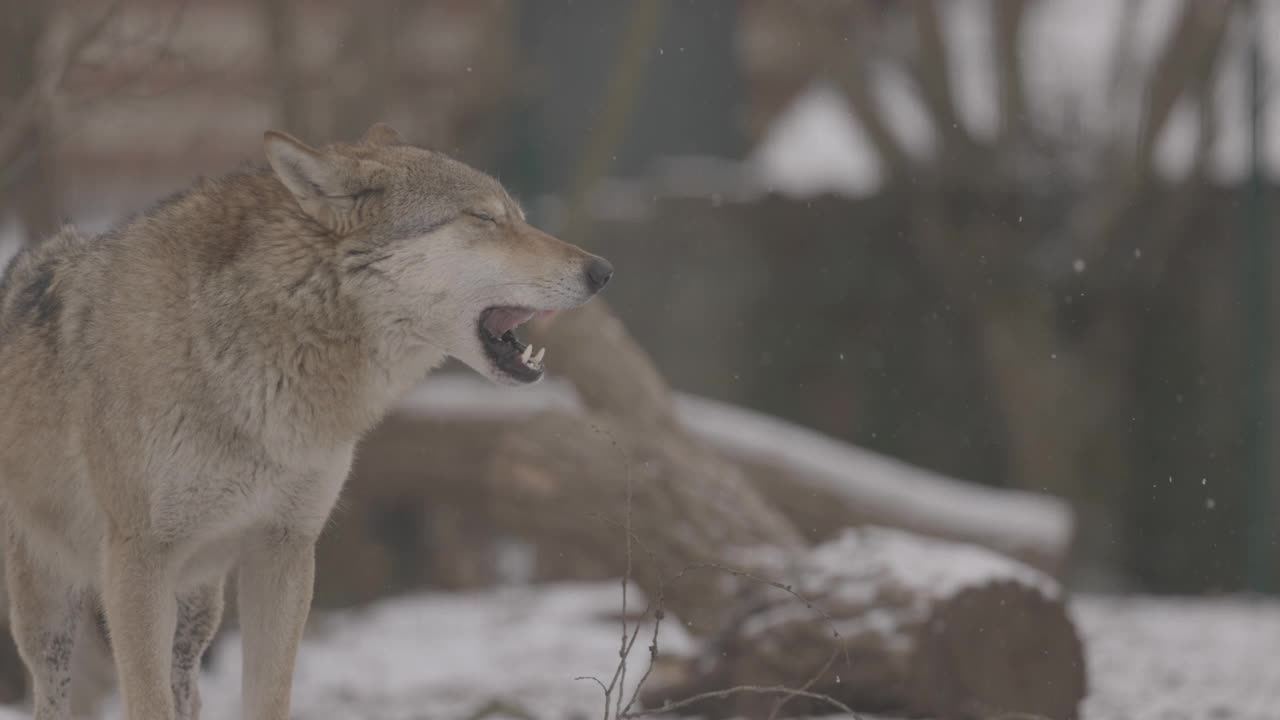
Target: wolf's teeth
[538,358]
[528,350]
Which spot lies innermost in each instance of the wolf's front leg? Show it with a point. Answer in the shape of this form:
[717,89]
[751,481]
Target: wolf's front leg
[199,614]
[141,605]
[275,584]
[44,614]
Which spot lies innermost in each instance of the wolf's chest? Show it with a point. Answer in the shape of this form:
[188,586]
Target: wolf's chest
[236,498]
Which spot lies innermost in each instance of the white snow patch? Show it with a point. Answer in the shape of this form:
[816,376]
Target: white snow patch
[1163,658]
[816,146]
[864,566]
[1175,149]
[908,560]
[445,655]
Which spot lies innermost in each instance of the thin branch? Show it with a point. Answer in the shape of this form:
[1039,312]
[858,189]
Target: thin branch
[278,17]
[603,689]
[1190,51]
[851,76]
[744,689]
[931,73]
[1009,17]
[1123,71]
[624,651]
[659,614]
[641,33]
[1185,65]
[782,701]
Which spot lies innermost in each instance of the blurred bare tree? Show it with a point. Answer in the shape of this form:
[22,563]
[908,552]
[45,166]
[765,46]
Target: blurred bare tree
[1007,222]
[68,55]
[29,83]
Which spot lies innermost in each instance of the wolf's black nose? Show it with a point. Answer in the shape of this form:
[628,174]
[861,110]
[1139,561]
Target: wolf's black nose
[598,273]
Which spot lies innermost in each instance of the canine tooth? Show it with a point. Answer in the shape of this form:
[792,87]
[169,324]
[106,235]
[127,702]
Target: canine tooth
[528,350]
[538,358]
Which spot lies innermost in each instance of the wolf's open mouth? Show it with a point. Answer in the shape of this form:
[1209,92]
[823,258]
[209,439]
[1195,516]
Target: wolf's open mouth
[505,350]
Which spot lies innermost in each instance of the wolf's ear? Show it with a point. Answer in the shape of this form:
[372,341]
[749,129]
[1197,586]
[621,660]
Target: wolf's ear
[307,172]
[324,183]
[382,134]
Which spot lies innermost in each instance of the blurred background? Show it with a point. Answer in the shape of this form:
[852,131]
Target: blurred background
[1025,244]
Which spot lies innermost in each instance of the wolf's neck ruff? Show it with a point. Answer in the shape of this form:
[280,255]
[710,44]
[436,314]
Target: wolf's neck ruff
[290,355]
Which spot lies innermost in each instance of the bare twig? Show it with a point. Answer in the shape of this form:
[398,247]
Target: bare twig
[641,32]
[1014,113]
[1185,66]
[746,689]
[658,610]
[1191,49]
[930,71]
[616,687]
[782,701]
[624,651]
[281,28]
[850,70]
[603,689]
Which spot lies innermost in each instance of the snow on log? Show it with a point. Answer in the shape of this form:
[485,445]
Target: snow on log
[916,627]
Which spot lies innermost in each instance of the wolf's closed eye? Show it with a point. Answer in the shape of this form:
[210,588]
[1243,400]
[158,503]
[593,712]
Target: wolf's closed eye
[482,215]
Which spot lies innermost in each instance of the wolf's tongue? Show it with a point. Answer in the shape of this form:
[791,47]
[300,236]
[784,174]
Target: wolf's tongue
[500,320]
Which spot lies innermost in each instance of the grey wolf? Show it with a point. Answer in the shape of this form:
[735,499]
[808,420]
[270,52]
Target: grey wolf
[180,397]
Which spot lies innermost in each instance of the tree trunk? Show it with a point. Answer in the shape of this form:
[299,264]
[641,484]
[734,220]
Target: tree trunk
[29,184]
[279,20]
[1068,405]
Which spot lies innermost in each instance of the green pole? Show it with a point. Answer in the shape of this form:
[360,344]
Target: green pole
[1262,556]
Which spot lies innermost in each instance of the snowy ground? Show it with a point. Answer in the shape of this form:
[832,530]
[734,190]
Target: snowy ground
[451,655]
[1164,659]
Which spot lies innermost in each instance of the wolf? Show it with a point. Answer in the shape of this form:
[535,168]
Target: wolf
[180,397]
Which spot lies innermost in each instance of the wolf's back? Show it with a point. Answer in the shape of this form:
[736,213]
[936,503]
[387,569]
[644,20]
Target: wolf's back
[33,286]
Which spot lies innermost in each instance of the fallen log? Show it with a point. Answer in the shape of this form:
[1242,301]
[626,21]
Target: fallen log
[900,625]
[821,484]
[625,481]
